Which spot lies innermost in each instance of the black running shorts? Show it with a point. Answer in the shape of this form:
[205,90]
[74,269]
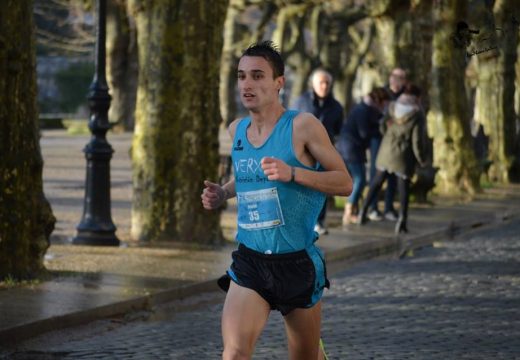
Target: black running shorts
[285,281]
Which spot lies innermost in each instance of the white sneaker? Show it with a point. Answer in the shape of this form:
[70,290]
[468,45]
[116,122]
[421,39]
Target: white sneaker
[321,230]
[391,216]
[374,215]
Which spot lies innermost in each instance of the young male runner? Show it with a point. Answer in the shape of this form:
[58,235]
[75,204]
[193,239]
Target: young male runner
[276,154]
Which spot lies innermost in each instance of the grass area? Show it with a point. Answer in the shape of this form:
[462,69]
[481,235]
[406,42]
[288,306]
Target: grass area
[485,183]
[76,126]
[10,282]
[339,202]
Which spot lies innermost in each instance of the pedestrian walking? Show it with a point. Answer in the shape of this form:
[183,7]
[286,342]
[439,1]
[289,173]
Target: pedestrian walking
[280,191]
[320,102]
[401,149]
[394,87]
[362,121]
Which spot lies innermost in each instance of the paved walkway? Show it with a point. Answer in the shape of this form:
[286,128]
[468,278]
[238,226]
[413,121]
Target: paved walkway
[456,300]
[92,282]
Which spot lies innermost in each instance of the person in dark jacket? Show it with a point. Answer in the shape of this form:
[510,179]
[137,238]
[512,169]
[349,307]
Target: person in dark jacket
[401,149]
[320,102]
[354,141]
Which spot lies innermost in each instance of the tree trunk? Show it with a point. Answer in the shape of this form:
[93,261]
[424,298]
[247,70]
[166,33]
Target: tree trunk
[386,44]
[355,47]
[175,145]
[228,64]
[122,65]
[237,37]
[26,219]
[515,171]
[289,34]
[448,120]
[414,46]
[494,105]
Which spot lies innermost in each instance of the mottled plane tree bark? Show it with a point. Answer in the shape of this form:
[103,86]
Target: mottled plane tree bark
[175,144]
[335,44]
[122,67]
[448,118]
[229,62]
[237,37]
[26,219]
[404,38]
[323,24]
[516,165]
[391,16]
[291,23]
[494,104]
[346,56]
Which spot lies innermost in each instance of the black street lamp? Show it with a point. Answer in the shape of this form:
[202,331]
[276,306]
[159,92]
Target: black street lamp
[96,226]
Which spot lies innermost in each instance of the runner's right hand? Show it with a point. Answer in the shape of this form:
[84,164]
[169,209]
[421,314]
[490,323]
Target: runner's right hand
[213,195]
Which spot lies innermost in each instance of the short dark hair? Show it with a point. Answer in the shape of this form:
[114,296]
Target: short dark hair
[268,50]
[412,89]
[379,94]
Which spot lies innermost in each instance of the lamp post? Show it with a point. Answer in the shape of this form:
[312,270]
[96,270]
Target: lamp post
[96,226]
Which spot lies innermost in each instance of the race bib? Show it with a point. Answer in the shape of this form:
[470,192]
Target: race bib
[259,209]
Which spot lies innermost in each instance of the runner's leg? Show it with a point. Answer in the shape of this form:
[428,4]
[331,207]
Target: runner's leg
[303,333]
[243,318]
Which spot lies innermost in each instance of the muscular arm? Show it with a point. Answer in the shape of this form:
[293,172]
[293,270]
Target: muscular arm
[214,195]
[229,187]
[312,144]
[311,137]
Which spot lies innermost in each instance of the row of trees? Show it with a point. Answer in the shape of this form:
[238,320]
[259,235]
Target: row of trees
[342,36]
[169,60]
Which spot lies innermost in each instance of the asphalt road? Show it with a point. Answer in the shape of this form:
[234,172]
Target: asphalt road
[459,299]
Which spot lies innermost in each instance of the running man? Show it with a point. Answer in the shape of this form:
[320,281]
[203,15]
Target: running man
[276,156]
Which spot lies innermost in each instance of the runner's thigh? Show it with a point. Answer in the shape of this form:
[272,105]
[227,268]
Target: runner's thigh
[244,316]
[303,332]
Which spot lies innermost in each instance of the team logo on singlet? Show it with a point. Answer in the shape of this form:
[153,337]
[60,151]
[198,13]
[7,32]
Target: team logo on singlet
[239,146]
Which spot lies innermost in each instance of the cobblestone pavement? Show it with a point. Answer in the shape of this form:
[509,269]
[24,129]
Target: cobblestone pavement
[456,300]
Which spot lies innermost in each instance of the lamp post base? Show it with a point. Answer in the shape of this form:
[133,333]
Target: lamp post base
[96,239]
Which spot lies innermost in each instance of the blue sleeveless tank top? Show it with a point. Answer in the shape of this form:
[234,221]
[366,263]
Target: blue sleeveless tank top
[273,217]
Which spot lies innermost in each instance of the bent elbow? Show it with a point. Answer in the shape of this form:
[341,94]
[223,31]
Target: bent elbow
[348,186]
[345,190]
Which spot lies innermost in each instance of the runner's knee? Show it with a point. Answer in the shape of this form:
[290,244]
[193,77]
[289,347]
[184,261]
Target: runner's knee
[236,353]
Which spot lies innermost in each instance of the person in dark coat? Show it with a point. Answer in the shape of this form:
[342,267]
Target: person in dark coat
[353,143]
[401,149]
[320,102]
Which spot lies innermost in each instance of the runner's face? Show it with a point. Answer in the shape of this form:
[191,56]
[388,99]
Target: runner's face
[256,84]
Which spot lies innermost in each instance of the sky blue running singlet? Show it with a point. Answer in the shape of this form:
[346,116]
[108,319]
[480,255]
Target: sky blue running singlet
[273,217]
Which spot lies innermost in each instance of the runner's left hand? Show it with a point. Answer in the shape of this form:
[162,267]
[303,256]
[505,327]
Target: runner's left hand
[276,169]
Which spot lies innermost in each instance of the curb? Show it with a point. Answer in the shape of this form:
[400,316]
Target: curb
[337,260]
[146,302]
[456,228]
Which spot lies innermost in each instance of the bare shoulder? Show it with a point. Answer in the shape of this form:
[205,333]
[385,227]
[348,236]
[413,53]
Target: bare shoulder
[232,127]
[307,126]
[305,118]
